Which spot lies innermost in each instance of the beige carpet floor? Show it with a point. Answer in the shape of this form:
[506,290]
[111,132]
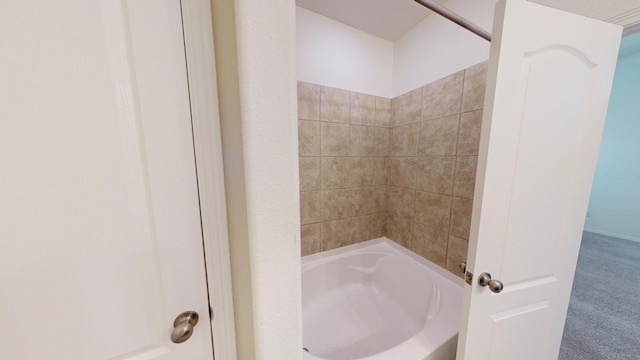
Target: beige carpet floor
[603,321]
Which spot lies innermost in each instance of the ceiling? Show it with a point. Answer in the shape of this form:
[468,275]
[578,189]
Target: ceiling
[388,19]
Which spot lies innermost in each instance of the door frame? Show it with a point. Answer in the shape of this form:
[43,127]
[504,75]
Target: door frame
[198,33]
[205,118]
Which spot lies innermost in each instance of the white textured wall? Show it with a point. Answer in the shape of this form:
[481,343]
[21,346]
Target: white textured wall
[436,47]
[255,57]
[265,33]
[333,54]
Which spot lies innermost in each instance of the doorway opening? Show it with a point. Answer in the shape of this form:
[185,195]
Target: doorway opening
[603,311]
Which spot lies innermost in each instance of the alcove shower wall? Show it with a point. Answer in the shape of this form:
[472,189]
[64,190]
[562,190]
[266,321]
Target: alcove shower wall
[402,168]
[344,142]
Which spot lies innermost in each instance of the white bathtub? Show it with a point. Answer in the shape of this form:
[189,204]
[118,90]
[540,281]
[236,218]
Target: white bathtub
[378,301]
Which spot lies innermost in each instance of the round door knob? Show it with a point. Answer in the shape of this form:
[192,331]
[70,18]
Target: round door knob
[183,326]
[494,285]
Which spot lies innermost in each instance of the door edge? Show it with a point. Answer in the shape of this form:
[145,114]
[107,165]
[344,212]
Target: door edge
[203,92]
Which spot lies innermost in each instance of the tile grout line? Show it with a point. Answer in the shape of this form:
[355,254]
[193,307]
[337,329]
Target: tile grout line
[387,157]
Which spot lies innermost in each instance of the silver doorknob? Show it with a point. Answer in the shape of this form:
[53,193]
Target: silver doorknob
[183,326]
[494,285]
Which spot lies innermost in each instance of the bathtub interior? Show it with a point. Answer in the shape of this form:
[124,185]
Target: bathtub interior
[363,303]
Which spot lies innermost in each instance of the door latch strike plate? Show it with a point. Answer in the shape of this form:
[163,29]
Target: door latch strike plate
[468,278]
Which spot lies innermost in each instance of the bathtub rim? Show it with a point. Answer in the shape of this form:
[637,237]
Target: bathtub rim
[381,245]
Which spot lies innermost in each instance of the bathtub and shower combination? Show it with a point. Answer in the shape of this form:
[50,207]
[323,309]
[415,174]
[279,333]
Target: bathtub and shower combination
[378,301]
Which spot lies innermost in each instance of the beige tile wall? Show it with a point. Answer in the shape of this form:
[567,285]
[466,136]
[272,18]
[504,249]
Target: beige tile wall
[402,168]
[344,140]
[433,158]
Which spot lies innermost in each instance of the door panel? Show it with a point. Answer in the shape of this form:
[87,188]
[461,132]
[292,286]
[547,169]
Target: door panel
[99,223]
[506,330]
[545,74]
[548,87]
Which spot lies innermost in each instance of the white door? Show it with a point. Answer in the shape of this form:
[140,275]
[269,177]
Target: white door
[100,240]
[548,86]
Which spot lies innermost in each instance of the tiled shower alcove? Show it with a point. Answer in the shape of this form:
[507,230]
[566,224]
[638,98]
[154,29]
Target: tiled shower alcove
[403,168]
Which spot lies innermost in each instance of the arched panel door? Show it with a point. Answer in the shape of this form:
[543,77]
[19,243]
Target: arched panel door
[548,85]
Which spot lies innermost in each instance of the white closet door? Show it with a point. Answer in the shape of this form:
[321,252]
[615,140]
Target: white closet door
[100,239]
